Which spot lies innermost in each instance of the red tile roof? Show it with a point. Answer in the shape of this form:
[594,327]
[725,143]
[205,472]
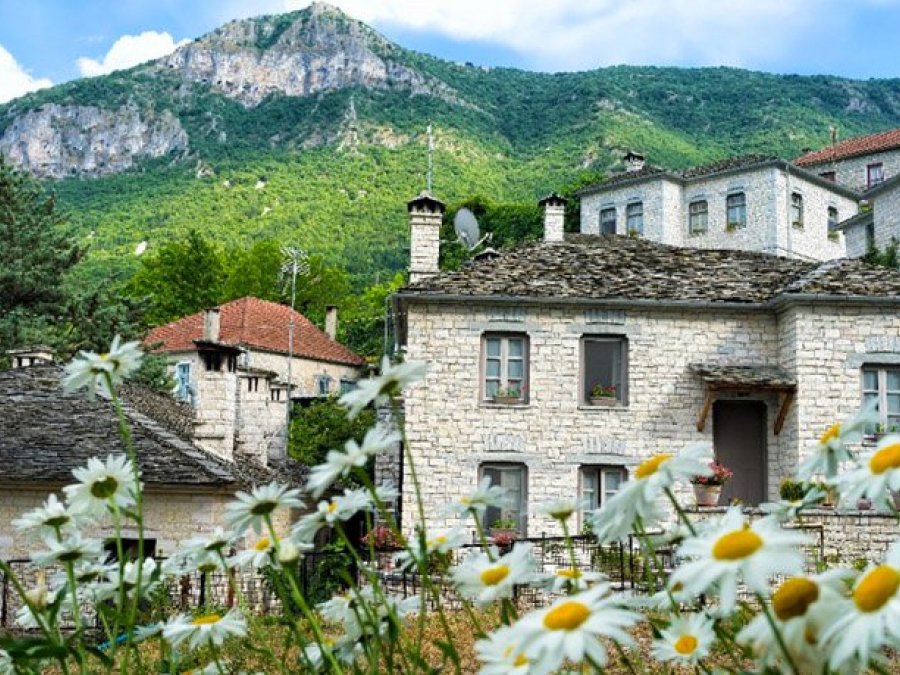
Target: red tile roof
[252,322]
[853,147]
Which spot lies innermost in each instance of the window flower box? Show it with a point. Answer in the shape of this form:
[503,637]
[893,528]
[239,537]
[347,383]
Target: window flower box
[604,401]
[507,400]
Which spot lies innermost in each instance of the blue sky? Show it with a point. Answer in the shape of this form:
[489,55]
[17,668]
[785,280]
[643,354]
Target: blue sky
[52,41]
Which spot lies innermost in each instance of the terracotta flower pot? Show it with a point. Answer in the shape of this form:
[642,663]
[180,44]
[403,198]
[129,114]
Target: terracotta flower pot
[707,495]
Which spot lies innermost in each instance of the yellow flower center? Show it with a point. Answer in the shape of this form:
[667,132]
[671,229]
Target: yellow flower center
[569,574]
[206,620]
[737,544]
[686,644]
[650,466]
[833,432]
[876,588]
[263,544]
[494,575]
[794,597]
[520,661]
[332,507]
[885,459]
[568,616]
[465,501]
[105,488]
[437,541]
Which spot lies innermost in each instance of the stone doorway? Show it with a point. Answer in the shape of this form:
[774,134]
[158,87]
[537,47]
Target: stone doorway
[739,439]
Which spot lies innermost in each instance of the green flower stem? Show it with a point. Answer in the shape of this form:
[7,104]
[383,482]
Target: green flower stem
[120,600]
[571,547]
[76,613]
[57,638]
[778,636]
[681,513]
[482,537]
[625,658]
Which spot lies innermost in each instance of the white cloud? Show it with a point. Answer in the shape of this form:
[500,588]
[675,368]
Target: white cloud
[580,34]
[128,51]
[14,80]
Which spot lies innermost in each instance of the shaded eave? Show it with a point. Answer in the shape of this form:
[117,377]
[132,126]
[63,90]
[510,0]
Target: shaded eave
[782,164]
[246,346]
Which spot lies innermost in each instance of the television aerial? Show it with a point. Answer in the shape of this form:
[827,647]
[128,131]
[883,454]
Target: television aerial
[467,229]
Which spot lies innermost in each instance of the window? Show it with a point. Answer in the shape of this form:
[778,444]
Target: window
[183,390]
[512,477]
[600,483]
[129,549]
[870,236]
[832,217]
[211,360]
[874,174]
[829,175]
[347,386]
[736,210]
[276,394]
[608,221]
[698,216]
[252,384]
[323,384]
[796,209]
[604,369]
[634,218]
[882,384]
[505,360]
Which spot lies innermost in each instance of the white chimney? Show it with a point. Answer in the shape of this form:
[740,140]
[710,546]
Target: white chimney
[211,325]
[331,321]
[37,355]
[634,161]
[554,216]
[425,217]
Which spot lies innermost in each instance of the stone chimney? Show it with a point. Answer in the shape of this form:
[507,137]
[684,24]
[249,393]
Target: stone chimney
[331,321]
[554,216]
[211,325]
[633,161]
[425,216]
[36,355]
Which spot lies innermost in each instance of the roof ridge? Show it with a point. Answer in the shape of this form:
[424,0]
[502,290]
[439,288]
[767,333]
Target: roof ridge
[820,270]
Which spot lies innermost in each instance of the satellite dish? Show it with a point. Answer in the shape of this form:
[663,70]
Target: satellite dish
[466,226]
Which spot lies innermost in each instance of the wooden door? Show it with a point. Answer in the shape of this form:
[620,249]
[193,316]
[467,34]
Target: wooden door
[739,438]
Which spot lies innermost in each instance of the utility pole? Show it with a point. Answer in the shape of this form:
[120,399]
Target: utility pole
[430,155]
[296,261]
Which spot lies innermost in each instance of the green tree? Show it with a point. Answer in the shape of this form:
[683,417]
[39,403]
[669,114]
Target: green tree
[362,324]
[181,278]
[323,426]
[35,255]
[887,258]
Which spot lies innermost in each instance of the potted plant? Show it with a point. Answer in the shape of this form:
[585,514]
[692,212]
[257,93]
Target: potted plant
[604,395]
[708,489]
[509,395]
[504,530]
[831,494]
[792,490]
[385,543]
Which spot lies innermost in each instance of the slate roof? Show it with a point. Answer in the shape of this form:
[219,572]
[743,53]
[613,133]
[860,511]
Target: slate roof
[252,322]
[44,434]
[751,376]
[853,147]
[619,268]
[722,166]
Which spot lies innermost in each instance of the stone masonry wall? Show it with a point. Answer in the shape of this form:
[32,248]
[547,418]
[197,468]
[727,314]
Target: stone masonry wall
[852,172]
[887,217]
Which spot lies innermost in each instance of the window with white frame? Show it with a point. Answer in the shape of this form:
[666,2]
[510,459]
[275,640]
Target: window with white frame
[874,174]
[183,388]
[347,386]
[604,369]
[514,479]
[634,218]
[505,366]
[736,210]
[600,483]
[608,220]
[796,209]
[882,384]
[698,216]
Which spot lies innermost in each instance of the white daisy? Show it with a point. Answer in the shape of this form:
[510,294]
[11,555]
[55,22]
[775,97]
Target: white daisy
[102,485]
[251,510]
[257,556]
[569,578]
[572,628]
[802,608]
[382,388]
[338,464]
[878,474]
[210,629]
[484,580]
[90,370]
[687,639]
[637,498]
[734,549]
[6,663]
[72,548]
[503,653]
[870,619]
[150,573]
[562,509]
[784,510]
[441,544]
[484,496]
[832,448]
[53,516]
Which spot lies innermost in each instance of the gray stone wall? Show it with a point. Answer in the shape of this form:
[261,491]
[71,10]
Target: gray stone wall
[887,217]
[852,172]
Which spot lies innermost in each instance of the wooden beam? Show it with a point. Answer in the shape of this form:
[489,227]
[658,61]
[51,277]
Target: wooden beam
[704,411]
[782,413]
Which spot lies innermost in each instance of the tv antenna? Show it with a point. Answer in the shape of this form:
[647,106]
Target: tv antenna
[295,261]
[430,160]
[467,229]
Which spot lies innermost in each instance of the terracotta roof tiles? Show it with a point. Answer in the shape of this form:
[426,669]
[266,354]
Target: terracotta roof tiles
[853,147]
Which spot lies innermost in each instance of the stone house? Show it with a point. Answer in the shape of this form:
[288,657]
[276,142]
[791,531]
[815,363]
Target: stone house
[232,365]
[751,203]
[878,223]
[755,353]
[860,163]
[45,434]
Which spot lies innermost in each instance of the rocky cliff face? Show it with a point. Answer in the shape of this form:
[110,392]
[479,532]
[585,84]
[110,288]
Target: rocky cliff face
[54,141]
[299,54]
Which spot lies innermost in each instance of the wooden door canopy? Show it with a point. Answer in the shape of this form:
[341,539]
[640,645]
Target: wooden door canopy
[745,379]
